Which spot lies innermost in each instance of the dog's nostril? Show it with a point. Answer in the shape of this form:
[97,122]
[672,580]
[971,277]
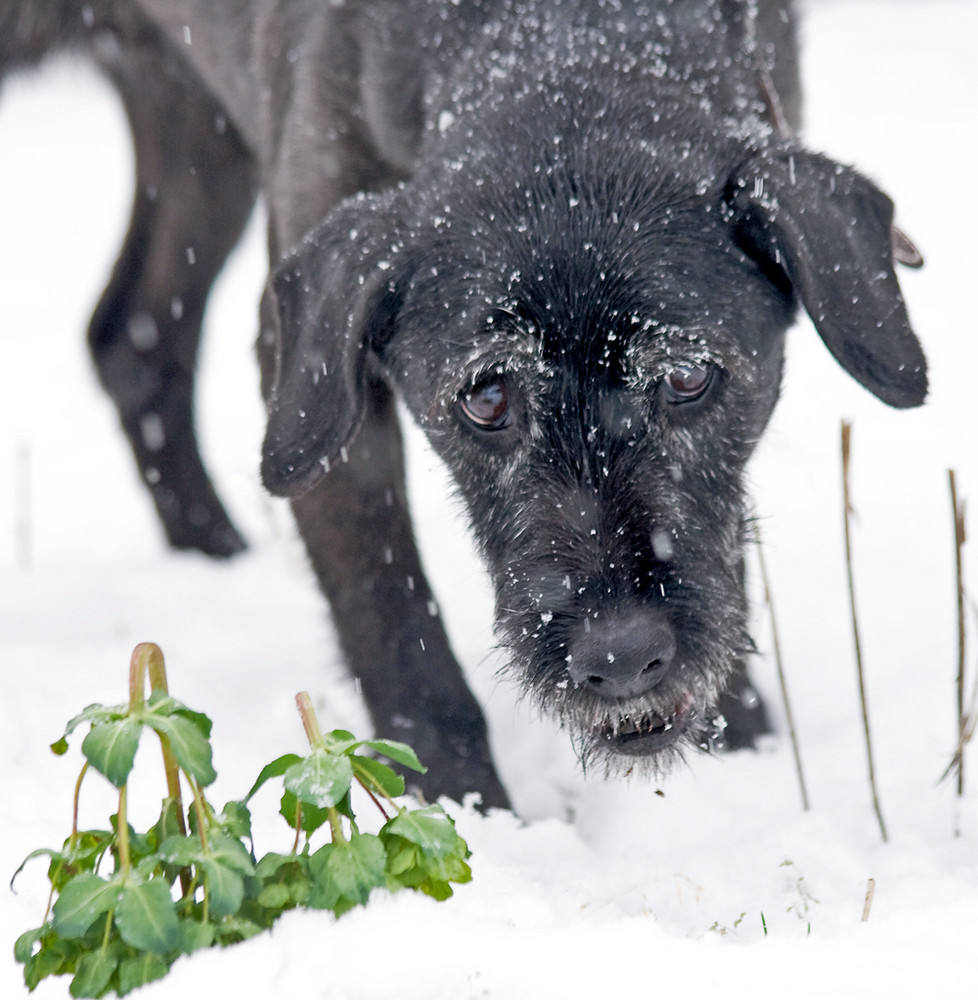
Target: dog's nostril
[623,656]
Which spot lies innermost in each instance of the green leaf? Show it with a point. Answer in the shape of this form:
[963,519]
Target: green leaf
[311,817]
[324,894]
[54,958]
[60,747]
[402,855]
[93,974]
[340,742]
[24,945]
[82,901]
[136,972]
[447,870]
[194,935]
[436,889]
[161,703]
[82,856]
[146,917]
[231,930]
[275,896]
[288,872]
[225,888]
[408,867]
[356,866]
[41,852]
[168,822]
[377,776]
[431,828]
[141,845]
[110,747]
[231,853]
[275,769]
[95,714]
[400,753]
[269,866]
[182,851]
[189,745]
[235,818]
[321,779]
[225,863]
[147,868]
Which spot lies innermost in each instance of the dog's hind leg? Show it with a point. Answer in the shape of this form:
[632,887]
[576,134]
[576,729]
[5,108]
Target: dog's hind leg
[195,188]
[357,530]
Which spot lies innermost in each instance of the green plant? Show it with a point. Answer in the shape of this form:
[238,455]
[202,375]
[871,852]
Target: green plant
[722,930]
[194,882]
[806,898]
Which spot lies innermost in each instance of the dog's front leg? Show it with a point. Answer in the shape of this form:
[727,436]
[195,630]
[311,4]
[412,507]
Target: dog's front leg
[357,530]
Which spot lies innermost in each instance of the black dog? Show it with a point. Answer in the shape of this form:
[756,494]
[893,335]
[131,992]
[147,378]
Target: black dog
[571,234]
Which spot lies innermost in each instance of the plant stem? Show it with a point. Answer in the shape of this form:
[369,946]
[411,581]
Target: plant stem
[200,810]
[137,677]
[847,504]
[780,665]
[155,665]
[336,825]
[309,721]
[298,827]
[73,840]
[374,799]
[151,656]
[172,771]
[959,540]
[122,831]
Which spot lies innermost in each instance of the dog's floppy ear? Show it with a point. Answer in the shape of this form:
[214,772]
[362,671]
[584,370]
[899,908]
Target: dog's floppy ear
[830,231]
[330,302]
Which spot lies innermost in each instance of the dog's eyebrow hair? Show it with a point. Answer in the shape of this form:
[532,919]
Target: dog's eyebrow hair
[651,351]
[504,353]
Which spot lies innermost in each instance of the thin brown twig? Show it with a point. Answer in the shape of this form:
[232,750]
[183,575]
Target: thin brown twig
[765,579]
[868,900]
[957,509]
[847,504]
[969,723]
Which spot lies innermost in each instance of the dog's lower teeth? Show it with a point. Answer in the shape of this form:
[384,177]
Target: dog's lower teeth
[639,727]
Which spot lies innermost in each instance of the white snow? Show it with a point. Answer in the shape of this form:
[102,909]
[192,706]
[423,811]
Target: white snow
[607,888]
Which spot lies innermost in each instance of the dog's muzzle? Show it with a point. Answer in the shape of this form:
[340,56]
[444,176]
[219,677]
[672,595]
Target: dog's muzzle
[622,656]
[648,734]
[620,660]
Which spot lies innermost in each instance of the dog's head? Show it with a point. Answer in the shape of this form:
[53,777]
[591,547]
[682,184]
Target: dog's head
[592,339]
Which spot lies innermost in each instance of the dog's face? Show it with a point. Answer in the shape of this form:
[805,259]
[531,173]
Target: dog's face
[594,347]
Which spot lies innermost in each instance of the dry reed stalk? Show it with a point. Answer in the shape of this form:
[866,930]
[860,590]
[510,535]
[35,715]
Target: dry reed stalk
[864,702]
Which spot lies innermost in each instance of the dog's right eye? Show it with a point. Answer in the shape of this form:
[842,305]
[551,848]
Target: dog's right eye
[486,404]
[688,382]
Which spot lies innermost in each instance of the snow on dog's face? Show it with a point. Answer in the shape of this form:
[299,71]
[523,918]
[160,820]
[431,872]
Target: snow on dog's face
[591,336]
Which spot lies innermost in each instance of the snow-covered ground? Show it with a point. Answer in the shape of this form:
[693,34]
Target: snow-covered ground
[607,888]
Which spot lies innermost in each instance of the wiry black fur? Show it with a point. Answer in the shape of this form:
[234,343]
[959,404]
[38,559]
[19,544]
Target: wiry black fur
[591,219]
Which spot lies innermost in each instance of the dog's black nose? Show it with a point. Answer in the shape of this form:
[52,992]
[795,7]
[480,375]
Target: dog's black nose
[622,655]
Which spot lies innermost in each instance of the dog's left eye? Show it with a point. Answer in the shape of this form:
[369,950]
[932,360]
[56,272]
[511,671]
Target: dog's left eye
[688,381]
[486,404]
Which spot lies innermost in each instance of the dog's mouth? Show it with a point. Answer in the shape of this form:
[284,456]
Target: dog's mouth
[647,734]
